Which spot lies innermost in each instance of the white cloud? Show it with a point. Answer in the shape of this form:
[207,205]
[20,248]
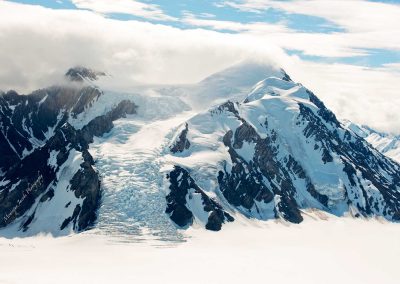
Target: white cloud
[367,25]
[254,27]
[131,7]
[39,44]
[364,95]
[393,67]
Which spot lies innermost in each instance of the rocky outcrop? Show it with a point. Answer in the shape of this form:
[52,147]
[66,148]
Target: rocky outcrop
[48,165]
[79,74]
[186,202]
[181,143]
[26,122]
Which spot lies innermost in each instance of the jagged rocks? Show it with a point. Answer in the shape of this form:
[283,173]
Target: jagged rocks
[26,122]
[186,201]
[40,144]
[181,143]
[104,123]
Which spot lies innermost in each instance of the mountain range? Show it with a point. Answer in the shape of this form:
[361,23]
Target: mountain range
[247,143]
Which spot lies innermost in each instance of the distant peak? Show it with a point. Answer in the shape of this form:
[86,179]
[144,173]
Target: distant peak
[79,74]
[244,74]
[286,76]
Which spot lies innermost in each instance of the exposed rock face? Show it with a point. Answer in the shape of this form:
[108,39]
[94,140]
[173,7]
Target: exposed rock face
[79,74]
[28,121]
[47,179]
[281,151]
[181,143]
[187,201]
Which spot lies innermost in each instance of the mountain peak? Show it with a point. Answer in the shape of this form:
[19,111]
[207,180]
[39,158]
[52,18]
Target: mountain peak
[245,73]
[272,86]
[277,154]
[80,73]
[281,86]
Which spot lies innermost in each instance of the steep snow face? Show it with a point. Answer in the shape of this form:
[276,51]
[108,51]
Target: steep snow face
[280,151]
[386,143]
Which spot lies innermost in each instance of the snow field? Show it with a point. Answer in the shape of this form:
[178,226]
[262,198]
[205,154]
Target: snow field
[340,250]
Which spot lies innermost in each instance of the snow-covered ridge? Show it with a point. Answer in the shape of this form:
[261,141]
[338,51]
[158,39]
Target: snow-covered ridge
[46,136]
[386,143]
[281,151]
[60,122]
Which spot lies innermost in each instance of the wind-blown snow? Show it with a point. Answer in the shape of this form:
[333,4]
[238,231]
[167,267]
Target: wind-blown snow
[232,83]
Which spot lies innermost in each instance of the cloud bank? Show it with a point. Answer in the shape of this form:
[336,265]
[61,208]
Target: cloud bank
[39,44]
[365,24]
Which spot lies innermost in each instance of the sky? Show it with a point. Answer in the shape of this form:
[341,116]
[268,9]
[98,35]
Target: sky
[346,51]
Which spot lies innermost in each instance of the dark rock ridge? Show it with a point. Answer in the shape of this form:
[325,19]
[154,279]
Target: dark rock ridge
[79,74]
[181,143]
[26,120]
[45,159]
[285,152]
[183,191]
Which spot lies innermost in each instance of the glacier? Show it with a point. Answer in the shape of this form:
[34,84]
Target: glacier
[244,144]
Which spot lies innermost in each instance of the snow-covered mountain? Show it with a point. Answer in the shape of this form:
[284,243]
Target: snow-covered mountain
[246,142]
[48,181]
[49,140]
[386,143]
[274,154]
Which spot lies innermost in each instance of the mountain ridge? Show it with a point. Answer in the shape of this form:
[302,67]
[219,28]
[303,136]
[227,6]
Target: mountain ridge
[270,151]
[282,150]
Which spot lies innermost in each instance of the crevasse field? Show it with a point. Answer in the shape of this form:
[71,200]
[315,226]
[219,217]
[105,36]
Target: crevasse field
[337,250]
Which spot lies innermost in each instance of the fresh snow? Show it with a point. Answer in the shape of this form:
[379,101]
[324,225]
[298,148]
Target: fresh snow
[135,241]
[233,83]
[52,161]
[340,250]
[388,144]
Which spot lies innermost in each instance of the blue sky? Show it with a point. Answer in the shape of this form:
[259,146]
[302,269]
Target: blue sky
[346,51]
[191,14]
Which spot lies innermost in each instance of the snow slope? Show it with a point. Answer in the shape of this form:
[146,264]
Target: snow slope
[388,144]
